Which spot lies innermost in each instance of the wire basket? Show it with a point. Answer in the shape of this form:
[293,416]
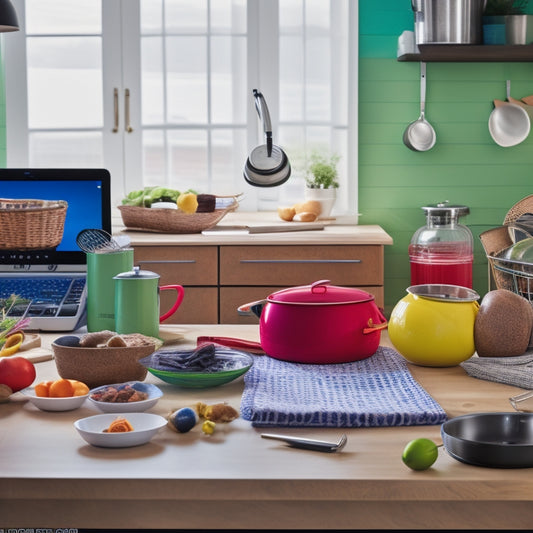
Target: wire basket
[515,276]
[31,224]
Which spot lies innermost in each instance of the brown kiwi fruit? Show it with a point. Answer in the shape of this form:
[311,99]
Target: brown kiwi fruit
[503,324]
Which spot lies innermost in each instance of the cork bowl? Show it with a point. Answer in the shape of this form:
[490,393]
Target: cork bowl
[99,366]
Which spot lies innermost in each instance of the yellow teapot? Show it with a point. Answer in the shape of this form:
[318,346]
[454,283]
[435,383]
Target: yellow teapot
[434,324]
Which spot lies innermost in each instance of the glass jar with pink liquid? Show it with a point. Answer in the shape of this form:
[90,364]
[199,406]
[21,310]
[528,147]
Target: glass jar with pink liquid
[441,252]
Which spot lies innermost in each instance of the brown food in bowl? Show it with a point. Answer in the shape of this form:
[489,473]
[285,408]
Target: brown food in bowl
[98,366]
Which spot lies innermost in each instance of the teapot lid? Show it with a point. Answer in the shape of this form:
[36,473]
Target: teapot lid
[137,273]
[444,293]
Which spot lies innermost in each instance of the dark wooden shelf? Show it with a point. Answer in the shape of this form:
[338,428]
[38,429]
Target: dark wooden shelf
[471,53]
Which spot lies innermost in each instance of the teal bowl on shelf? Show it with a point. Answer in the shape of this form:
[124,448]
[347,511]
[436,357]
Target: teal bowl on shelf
[236,364]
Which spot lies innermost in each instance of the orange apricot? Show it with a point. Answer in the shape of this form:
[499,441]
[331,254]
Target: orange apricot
[80,388]
[61,388]
[43,389]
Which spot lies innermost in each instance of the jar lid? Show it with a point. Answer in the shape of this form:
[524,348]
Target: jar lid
[137,273]
[320,292]
[445,209]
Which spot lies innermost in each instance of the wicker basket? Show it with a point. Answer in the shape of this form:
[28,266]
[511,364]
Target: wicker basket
[31,224]
[171,220]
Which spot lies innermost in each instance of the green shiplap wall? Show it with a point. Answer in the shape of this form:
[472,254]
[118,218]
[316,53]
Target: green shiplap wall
[465,167]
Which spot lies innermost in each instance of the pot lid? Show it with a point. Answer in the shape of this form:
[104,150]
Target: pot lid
[137,273]
[448,293]
[320,292]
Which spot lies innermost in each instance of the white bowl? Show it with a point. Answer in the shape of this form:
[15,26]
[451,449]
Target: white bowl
[45,403]
[145,426]
[154,393]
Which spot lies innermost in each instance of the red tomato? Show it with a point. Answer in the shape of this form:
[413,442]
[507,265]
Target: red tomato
[16,372]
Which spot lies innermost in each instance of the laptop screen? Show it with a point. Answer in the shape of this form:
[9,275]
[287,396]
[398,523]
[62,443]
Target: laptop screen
[87,193]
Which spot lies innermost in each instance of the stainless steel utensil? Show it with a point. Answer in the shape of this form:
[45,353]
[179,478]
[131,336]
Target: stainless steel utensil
[309,444]
[509,123]
[98,240]
[420,136]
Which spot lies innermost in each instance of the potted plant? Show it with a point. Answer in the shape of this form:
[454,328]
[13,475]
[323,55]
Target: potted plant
[499,20]
[321,179]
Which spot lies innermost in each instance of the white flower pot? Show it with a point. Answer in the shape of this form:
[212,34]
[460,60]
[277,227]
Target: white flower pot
[326,197]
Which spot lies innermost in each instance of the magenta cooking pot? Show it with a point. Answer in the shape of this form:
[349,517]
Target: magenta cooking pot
[318,323]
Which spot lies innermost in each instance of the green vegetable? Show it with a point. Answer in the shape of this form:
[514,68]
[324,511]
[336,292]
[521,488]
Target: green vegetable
[147,196]
[420,454]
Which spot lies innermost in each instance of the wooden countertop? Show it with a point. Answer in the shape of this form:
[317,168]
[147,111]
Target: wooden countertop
[50,478]
[340,230]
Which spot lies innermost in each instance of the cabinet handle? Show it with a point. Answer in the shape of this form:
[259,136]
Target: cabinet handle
[311,261]
[174,262]
[115,109]
[127,125]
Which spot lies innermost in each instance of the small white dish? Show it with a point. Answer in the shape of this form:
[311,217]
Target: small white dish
[45,403]
[154,393]
[145,426]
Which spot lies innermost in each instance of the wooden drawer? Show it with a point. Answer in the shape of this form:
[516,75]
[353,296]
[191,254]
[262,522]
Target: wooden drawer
[233,297]
[299,265]
[183,265]
[199,306]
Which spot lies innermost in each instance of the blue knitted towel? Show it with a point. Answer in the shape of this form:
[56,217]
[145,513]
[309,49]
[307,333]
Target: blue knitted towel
[377,391]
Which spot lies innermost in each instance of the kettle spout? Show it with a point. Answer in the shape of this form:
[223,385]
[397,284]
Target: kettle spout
[252,308]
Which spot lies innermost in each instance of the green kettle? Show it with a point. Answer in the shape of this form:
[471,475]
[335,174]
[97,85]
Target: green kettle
[137,302]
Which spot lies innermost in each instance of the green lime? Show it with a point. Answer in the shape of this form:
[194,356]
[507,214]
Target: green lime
[420,454]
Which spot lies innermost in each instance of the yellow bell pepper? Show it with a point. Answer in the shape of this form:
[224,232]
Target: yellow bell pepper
[12,344]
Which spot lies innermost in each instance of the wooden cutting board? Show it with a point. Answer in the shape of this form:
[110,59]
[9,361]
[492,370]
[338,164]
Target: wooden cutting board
[32,350]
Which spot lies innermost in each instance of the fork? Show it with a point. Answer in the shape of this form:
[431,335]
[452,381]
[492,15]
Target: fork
[309,444]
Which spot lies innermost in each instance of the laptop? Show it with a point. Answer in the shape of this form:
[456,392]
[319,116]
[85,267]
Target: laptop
[51,283]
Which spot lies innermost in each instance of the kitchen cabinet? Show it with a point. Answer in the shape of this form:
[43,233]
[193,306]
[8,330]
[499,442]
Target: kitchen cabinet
[222,272]
[470,53]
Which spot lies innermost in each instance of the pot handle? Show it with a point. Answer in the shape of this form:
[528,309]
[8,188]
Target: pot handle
[375,327]
[252,308]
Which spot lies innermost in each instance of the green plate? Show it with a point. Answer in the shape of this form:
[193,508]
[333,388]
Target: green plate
[239,363]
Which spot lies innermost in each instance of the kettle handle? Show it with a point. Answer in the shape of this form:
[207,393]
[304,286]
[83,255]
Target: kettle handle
[177,303]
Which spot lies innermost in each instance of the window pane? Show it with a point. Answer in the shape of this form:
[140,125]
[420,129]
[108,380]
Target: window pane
[63,16]
[292,90]
[228,155]
[318,76]
[151,16]
[228,80]
[186,64]
[228,16]
[66,149]
[186,16]
[187,159]
[64,82]
[152,80]
[154,163]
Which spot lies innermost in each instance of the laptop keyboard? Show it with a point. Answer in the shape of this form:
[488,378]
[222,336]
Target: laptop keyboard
[46,297]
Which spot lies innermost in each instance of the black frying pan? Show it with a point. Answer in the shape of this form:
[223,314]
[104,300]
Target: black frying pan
[498,440]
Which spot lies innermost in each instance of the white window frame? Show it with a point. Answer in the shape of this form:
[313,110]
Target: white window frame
[262,31]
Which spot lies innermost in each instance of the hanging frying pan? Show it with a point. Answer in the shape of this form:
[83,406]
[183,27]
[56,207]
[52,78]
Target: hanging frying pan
[267,165]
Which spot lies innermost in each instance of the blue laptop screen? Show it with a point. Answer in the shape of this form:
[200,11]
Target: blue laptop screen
[87,192]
